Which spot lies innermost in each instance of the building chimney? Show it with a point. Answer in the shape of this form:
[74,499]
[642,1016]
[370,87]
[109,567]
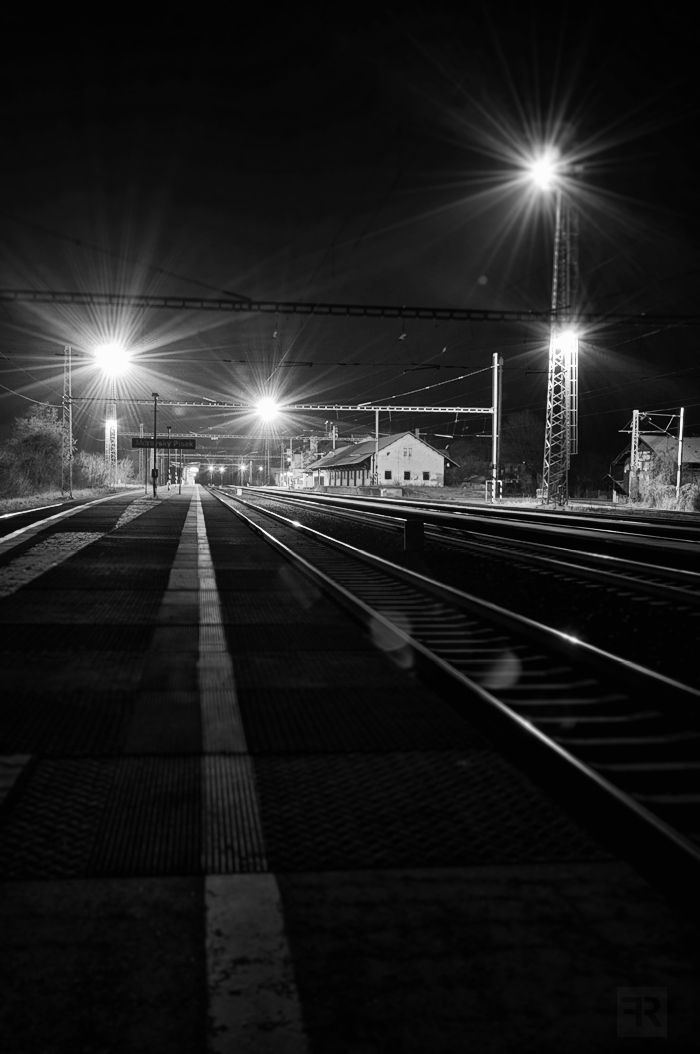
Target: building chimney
[417,433]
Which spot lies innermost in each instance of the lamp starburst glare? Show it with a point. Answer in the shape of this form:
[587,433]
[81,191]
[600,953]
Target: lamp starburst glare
[113,359]
[545,169]
[267,408]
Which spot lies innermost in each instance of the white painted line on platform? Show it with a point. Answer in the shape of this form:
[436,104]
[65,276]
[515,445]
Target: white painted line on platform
[254,1005]
[222,728]
[34,508]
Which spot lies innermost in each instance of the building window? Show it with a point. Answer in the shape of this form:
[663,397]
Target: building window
[410,451]
[387,474]
[407,475]
[405,451]
[426,475]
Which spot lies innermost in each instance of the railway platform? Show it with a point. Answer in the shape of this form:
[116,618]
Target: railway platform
[233,821]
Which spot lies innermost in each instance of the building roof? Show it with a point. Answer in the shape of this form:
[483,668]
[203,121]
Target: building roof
[665,444]
[354,455]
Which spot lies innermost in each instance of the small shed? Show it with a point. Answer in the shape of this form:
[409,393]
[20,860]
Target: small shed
[652,446]
[404,460]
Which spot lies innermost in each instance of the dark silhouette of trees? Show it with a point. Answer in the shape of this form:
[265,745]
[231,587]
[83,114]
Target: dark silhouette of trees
[31,460]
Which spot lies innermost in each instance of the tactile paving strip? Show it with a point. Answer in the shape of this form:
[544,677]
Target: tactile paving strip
[165,723]
[248,579]
[49,830]
[313,637]
[152,823]
[339,720]
[61,671]
[408,810]
[89,723]
[241,608]
[79,607]
[40,558]
[89,520]
[68,639]
[312,670]
[233,841]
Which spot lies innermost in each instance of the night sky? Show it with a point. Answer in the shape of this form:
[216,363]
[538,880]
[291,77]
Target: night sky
[379,162]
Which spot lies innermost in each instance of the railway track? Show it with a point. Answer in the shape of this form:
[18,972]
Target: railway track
[649,577]
[616,742]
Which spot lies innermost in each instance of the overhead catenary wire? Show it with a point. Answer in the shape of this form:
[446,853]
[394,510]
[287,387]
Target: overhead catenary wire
[427,387]
[39,402]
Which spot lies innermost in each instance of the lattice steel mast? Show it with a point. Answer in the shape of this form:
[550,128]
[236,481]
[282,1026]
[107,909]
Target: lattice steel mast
[67,425]
[111,435]
[561,432]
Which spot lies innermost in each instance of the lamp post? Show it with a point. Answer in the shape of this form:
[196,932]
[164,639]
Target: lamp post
[168,468]
[114,360]
[154,470]
[561,430]
[267,410]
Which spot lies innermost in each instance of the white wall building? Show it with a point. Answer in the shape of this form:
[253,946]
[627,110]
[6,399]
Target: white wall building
[404,461]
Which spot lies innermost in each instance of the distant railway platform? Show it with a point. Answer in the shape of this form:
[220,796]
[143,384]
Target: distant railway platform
[233,821]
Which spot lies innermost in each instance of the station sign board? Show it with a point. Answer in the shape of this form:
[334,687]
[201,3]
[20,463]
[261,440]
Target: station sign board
[173,443]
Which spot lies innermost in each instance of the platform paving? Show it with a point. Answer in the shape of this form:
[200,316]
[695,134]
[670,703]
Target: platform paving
[230,821]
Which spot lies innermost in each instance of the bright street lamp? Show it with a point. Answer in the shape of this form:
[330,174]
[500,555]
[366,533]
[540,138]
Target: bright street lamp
[267,408]
[113,359]
[546,169]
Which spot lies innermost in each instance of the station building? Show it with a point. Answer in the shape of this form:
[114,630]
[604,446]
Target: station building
[404,460]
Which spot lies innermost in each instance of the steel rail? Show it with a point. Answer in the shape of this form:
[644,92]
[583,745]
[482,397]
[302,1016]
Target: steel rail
[580,529]
[546,634]
[655,847]
[620,571]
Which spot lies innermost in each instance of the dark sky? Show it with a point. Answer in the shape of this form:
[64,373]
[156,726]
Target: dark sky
[380,161]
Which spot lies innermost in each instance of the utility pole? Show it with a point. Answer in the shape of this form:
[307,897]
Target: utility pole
[679,473]
[633,485]
[496,424]
[168,468]
[154,470]
[561,435]
[142,463]
[376,448]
